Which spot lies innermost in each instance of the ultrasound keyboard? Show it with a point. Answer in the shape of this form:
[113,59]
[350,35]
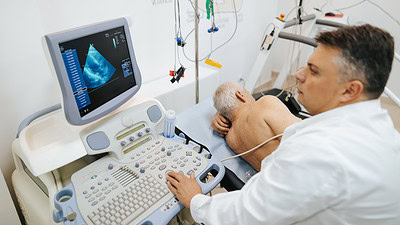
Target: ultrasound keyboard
[130,203]
[129,186]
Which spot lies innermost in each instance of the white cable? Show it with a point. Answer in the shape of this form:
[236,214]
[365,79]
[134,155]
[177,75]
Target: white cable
[397,56]
[392,96]
[255,148]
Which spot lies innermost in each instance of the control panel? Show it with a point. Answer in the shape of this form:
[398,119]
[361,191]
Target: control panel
[128,186]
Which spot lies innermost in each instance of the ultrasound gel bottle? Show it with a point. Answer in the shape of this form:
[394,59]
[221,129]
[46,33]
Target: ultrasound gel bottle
[169,124]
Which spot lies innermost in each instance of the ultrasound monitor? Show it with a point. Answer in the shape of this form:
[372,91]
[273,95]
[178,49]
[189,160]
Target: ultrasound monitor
[96,69]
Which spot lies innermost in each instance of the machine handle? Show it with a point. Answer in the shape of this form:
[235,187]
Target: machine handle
[216,165]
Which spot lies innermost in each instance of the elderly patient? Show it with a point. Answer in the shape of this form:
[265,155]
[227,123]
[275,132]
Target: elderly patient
[251,122]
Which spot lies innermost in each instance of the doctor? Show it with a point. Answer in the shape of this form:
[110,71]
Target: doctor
[342,166]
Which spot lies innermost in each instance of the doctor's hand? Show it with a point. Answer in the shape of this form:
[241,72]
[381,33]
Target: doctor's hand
[220,124]
[183,187]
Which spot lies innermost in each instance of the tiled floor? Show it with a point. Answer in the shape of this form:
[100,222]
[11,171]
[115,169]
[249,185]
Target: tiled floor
[394,111]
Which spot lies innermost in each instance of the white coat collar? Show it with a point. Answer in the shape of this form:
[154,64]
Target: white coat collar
[339,112]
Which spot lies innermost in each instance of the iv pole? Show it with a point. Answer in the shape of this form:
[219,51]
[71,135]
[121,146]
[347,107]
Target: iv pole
[196,41]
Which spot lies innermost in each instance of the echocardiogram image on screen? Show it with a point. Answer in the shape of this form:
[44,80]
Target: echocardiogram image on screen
[99,68]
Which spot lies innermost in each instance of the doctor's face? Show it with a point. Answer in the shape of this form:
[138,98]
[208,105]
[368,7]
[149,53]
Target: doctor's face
[317,86]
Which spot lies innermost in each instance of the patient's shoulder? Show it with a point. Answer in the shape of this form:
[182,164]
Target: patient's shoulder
[269,101]
[274,111]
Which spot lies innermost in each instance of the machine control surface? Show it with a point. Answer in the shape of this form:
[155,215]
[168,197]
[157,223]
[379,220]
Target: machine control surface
[129,186]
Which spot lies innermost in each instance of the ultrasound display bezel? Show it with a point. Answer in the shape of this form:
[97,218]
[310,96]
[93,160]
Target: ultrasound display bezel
[70,106]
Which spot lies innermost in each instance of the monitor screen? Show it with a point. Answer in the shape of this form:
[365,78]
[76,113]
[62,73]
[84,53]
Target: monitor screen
[96,68]
[99,68]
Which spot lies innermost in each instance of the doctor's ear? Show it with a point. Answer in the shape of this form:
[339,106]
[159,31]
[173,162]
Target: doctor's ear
[353,90]
[240,96]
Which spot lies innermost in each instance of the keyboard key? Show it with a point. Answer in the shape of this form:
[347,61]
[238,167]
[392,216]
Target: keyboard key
[133,216]
[94,218]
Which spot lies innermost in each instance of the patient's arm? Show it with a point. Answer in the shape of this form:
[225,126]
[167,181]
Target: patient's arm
[253,158]
[220,124]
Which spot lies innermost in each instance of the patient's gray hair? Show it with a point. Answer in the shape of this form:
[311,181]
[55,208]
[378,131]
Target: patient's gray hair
[225,100]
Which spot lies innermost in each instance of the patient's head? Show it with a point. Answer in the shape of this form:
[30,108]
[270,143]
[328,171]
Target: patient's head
[228,97]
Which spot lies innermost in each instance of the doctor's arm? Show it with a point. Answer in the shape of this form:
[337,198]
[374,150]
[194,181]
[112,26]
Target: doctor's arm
[288,189]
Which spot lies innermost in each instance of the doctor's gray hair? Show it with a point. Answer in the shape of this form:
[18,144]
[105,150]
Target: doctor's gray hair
[225,100]
[366,54]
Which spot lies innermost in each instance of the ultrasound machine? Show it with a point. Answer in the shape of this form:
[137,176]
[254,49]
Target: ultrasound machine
[103,159]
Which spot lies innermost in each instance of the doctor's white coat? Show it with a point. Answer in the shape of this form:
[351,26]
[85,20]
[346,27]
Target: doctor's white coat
[338,167]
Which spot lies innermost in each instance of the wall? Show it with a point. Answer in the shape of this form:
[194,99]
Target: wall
[8,214]
[27,86]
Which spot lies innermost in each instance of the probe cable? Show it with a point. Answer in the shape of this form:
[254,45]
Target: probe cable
[255,148]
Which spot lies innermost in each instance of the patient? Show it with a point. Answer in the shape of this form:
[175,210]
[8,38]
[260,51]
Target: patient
[247,122]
